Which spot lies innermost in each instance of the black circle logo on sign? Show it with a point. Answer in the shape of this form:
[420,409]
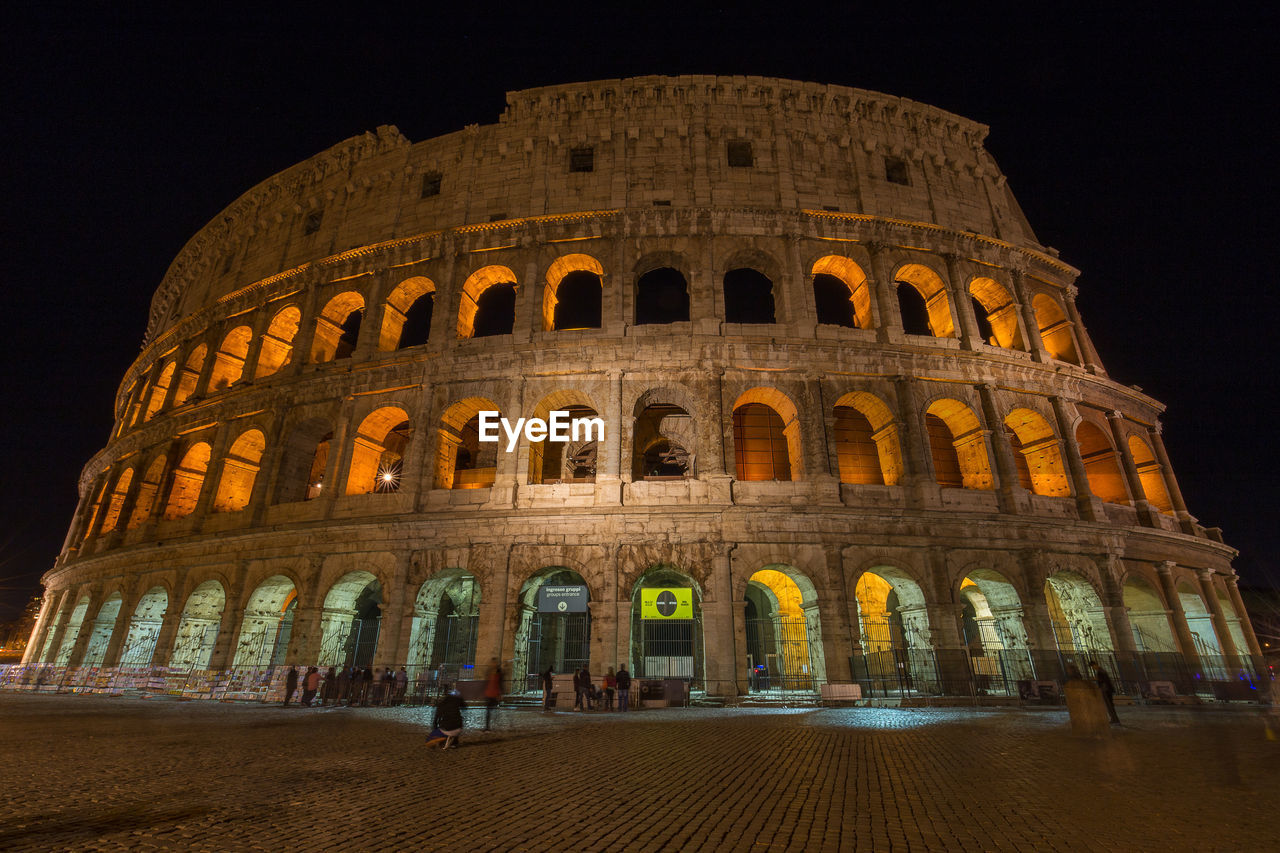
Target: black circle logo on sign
[666,603]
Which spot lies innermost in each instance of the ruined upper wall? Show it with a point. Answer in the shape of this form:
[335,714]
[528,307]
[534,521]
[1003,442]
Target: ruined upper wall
[653,141]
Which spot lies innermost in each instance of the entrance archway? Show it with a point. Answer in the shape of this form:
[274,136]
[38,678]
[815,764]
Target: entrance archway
[1079,625]
[103,628]
[994,633]
[446,616]
[784,633]
[896,645]
[667,646]
[554,628]
[198,628]
[267,624]
[350,620]
[144,628]
[1203,633]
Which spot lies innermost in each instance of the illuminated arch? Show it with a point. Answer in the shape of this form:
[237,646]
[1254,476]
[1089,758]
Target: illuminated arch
[1101,465]
[303,461]
[1148,617]
[840,292]
[239,471]
[338,328]
[267,624]
[188,479]
[228,361]
[930,287]
[1055,328]
[197,632]
[377,456]
[582,277]
[1036,451]
[866,438]
[766,436]
[276,349]
[558,461]
[160,390]
[445,624]
[995,306]
[190,375]
[139,645]
[406,318]
[74,624]
[784,630]
[1150,474]
[958,445]
[118,495]
[474,288]
[147,489]
[350,620]
[1075,611]
[462,461]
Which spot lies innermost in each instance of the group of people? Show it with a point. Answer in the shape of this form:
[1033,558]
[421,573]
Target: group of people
[589,696]
[353,685]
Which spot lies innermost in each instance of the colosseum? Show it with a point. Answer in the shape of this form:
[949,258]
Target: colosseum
[854,429]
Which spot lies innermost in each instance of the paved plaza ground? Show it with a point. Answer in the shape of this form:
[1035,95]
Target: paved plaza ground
[90,772]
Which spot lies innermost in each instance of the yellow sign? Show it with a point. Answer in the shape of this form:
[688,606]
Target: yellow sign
[674,603]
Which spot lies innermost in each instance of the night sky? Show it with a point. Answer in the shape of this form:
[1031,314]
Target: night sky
[1143,148]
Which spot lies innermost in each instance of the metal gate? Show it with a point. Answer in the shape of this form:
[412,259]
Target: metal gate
[778,652]
[668,649]
[362,642]
[891,663]
[561,641]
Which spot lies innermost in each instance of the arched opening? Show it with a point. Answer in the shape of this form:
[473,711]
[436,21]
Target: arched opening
[144,628]
[190,375]
[228,361]
[840,293]
[1153,635]
[766,436]
[1055,329]
[350,621]
[1036,451]
[446,616]
[277,344]
[554,628]
[958,446]
[338,328]
[74,624]
[303,462]
[267,624]
[664,446]
[748,297]
[1076,616]
[488,303]
[573,461]
[118,494]
[923,302]
[406,318]
[198,629]
[996,313]
[1150,474]
[784,632]
[666,628]
[101,632]
[47,651]
[994,633]
[377,457]
[572,296]
[662,296]
[463,461]
[188,480]
[1101,465]
[160,390]
[239,472]
[1203,633]
[1237,633]
[896,648]
[147,490]
[866,438]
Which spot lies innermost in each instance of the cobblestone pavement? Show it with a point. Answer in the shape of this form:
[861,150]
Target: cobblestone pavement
[85,772]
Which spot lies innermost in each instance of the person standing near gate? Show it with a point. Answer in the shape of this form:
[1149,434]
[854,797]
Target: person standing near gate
[624,687]
[290,685]
[492,691]
[310,684]
[546,688]
[1108,692]
[610,681]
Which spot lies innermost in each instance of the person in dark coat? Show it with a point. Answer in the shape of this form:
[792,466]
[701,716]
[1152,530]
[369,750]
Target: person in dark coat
[492,691]
[290,685]
[1108,692]
[624,687]
[344,684]
[579,697]
[329,691]
[310,685]
[366,685]
[448,717]
[546,688]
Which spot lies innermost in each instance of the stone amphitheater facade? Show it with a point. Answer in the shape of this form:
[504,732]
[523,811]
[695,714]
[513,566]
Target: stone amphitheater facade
[849,399]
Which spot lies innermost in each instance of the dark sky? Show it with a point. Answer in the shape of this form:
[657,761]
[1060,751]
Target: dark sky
[1142,147]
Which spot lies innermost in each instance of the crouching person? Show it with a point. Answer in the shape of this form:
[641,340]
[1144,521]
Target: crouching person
[447,722]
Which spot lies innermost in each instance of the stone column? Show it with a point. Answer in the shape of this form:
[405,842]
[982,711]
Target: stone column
[490,640]
[1035,344]
[393,641]
[1084,344]
[259,330]
[1089,506]
[889,329]
[961,305]
[917,460]
[833,610]
[723,631]
[38,630]
[1145,511]
[169,622]
[213,474]
[1008,489]
[609,461]
[1220,626]
[229,624]
[306,635]
[1246,625]
[1185,520]
[1181,630]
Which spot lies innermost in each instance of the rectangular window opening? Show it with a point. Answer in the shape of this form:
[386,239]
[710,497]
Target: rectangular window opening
[895,171]
[313,222]
[740,154]
[430,184]
[582,159]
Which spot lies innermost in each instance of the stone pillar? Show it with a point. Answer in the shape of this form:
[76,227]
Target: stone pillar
[833,611]
[1035,344]
[259,329]
[917,461]
[169,623]
[1220,626]
[889,329]
[306,636]
[1008,489]
[723,631]
[1089,506]
[213,473]
[490,641]
[962,304]
[609,464]
[393,641]
[306,337]
[237,598]
[1246,625]
[1185,519]
[1084,344]
[38,630]
[1146,512]
[1181,630]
